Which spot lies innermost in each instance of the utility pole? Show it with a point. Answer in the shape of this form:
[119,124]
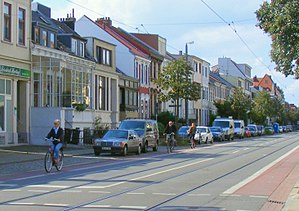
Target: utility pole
[186,101]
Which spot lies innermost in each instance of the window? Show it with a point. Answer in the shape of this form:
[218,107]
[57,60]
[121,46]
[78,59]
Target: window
[266,81]
[136,70]
[52,40]
[21,32]
[36,35]
[195,67]
[239,83]
[206,71]
[81,49]
[146,75]
[7,22]
[101,93]
[106,57]
[2,113]
[74,46]
[44,38]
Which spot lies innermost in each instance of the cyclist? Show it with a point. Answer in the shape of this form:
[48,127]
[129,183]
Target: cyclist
[169,129]
[57,134]
[191,132]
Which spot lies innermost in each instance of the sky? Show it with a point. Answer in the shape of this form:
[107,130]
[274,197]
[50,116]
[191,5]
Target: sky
[218,28]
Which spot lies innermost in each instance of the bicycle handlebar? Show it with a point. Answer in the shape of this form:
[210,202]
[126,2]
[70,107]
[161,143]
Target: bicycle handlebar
[52,139]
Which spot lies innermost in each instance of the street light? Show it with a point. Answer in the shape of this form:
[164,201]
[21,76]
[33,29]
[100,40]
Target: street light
[186,101]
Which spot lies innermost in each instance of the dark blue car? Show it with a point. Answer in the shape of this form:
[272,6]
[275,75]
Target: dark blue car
[182,132]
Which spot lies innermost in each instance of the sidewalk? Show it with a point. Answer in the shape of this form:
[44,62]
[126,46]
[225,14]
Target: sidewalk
[292,203]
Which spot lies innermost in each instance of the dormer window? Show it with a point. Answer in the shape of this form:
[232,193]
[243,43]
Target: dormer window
[78,47]
[44,37]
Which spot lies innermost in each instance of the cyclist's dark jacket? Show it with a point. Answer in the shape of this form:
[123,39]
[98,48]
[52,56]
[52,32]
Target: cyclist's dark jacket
[169,130]
[53,135]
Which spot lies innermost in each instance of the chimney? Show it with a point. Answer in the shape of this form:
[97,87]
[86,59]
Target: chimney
[181,53]
[105,21]
[69,20]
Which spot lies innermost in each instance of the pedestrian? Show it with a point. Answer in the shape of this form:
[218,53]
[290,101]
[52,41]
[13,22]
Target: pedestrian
[191,132]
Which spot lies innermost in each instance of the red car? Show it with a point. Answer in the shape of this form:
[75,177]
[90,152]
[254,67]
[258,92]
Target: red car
[247,132]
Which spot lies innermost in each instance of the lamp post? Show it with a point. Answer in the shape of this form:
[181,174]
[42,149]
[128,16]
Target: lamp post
[186,101]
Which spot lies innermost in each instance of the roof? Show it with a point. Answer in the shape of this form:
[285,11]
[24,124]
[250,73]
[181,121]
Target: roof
[65,29]
[220,79]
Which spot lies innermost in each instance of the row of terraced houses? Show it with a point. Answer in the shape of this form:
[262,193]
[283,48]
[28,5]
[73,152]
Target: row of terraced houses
[84,71]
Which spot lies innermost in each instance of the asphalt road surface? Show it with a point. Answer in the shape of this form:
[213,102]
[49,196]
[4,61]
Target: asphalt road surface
[217,176]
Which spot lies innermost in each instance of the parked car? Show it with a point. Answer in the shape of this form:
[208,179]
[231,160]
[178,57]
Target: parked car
[227,124]
[269,130]
[260,130]
[239,128]
[284,128]
[280,128]
[289,128]
[147,129]
[218,133]
[247,132]
[182,132]
[253,129]
[118,141]
[205,134]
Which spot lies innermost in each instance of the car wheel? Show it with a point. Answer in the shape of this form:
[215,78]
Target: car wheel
[155,148]
[97,153]
[125,151]
[212,141]
[138,150]
[206,140]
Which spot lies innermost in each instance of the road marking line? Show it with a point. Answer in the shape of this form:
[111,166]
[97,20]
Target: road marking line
[165,194]
[39,191]
[133,207]
[200,194]
[230,195]
[97,206]
[135,193]
[48,186]
[31,177]
[255,196]
[258,173]
[234,152]
[21,203]
[56,205]
[246,149]
[97,191]
[11,190]
[71,191]
[8,185]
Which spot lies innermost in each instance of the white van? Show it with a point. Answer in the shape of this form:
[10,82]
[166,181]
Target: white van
[227,125]
[239,128]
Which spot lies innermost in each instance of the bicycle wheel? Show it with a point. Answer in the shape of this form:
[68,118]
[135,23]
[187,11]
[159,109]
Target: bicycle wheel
[167,146]
[171,146]
[48,162]
[59,165]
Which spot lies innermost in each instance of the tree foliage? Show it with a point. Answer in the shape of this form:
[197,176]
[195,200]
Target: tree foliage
[240,104]
[280,20]
[261,108]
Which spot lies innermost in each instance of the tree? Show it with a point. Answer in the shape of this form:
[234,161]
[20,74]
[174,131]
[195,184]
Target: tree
[224,108]
[262,107]
[279,19]
[240,104]
[175,83]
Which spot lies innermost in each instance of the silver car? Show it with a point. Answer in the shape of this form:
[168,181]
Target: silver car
[118,141]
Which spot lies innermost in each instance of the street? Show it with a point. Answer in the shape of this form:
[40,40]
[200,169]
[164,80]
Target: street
[244,174]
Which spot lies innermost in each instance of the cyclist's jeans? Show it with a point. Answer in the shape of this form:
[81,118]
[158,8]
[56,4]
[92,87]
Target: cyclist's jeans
[56,148]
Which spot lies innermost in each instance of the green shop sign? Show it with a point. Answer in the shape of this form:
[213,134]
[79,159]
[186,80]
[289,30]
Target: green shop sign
[6,70]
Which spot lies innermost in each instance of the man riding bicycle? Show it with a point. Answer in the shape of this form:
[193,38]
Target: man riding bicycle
[170,129]
[56,133]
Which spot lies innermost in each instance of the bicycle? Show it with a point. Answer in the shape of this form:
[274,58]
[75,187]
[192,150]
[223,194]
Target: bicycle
[50,160]
[169,142]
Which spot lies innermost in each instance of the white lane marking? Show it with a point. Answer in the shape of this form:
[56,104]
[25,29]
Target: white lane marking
[135,193]
[230,195]
[97,191]
[31,177]
[133,207]
[258,173]
[234,152]
[164,194]
[56,205]
[21,203]
[200,194]
[39,191]
[97,206]
[8,185]
[245,149]
[71,191]
[255,196]
[11,190]
[48,186]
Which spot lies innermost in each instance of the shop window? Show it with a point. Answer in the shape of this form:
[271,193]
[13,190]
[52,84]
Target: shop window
[2,86]
[2,113]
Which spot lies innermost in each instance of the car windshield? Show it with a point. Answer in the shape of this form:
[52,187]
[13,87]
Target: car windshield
[252,128]
[201,129]
[221,123]
[132,125]
[215,129]
[237,124]
[116,134]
